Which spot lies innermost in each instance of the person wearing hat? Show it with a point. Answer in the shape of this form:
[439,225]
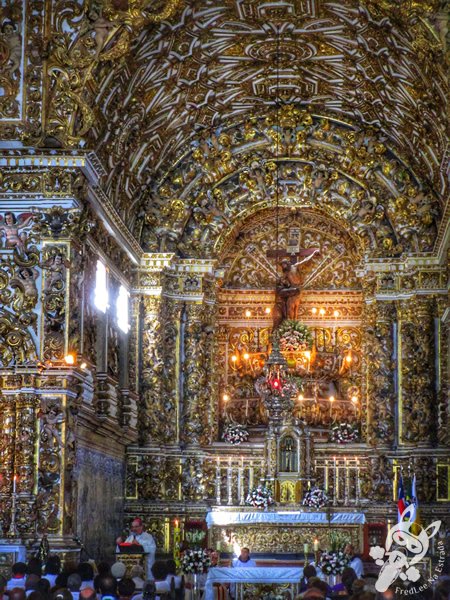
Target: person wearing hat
[139,536]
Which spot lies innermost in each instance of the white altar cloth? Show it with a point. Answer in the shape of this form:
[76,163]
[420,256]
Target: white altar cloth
[250,575]
[218,517]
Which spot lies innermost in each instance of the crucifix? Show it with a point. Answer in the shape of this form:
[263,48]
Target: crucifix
[288,286]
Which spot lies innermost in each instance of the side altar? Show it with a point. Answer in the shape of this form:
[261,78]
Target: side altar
[282,531]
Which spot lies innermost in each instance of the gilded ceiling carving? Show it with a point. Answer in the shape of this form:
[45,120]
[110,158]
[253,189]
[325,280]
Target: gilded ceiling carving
[351,176]
[378,66]
[141,83]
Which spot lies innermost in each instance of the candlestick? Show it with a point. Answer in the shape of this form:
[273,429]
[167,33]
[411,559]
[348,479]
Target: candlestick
[246,408]
[326,475]
[335,481]
[229,486]
[218,482]
[346,480]
[358,488]
[250,476]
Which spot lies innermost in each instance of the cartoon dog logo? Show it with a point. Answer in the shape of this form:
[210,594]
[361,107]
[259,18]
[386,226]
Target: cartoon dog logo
[398,563]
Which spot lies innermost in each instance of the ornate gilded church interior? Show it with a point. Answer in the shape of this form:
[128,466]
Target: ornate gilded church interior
[224,267]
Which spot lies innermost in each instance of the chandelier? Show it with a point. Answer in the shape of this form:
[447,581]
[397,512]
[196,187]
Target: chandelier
[276,387]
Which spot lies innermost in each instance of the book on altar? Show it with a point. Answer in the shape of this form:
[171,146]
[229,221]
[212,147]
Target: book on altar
[130,548]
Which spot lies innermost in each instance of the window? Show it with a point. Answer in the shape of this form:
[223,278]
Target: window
[122,309]
[101,288]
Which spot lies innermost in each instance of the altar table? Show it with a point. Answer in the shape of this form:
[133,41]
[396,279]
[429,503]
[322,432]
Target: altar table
[218,517]
[260,575]
[282,531]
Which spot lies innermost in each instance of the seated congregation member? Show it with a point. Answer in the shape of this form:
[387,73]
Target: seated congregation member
[88,594]
[31,583]
[355,562]
[137,575]
[243,560]
[103,570]
[17,593]
[118,570]
[159,571]
[107,586]
[126,588]
[74,585]
[345,587]
[34,566]
[35,595]
[43,587]
[52,569]
[308,572]
[172,574]
[86,572]
[317,584]
[19,572]
[61,594]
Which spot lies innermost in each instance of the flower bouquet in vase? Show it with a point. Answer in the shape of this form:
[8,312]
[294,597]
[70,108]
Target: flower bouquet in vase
[195,562]
[260,497]
[315,498]
[235,434]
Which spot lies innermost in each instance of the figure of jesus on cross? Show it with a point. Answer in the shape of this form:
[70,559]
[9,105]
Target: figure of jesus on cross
[288,285]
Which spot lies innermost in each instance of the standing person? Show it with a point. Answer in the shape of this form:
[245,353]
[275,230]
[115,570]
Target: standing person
[355,562]
[139,536]
[243,560]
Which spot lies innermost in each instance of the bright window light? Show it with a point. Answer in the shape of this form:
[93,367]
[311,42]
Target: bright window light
[122,309]
[101,288]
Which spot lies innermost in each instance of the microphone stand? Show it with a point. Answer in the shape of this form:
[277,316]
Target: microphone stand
[82,548]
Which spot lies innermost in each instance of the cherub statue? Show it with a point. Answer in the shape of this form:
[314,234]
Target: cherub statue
[10,227]
[10,34]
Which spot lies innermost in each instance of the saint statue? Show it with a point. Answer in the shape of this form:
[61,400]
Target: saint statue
[288,455]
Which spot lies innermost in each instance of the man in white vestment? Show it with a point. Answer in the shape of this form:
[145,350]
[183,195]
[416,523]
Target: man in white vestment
[139,536]
[355,562]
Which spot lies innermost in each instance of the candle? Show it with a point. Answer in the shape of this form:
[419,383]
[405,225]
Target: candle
[316,545]
[326,475]
[14,483]
[305,549]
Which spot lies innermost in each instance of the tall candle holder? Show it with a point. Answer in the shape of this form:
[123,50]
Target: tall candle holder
[12,531]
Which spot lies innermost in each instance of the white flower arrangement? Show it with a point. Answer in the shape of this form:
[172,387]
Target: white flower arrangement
[294,336]
[235,434]
[344,433]
[260,497]
[195,561]
[272,596]
[315,498]
[333,563]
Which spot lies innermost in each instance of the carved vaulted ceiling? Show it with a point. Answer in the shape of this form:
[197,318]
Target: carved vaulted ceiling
[215,63]
[145,84]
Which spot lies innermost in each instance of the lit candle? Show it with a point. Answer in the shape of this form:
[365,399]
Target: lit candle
[316,545]
[14,483]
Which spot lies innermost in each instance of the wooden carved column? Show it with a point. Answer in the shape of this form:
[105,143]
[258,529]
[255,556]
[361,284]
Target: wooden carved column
[417,371]
[150,352]
[200,382]
[379,352]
